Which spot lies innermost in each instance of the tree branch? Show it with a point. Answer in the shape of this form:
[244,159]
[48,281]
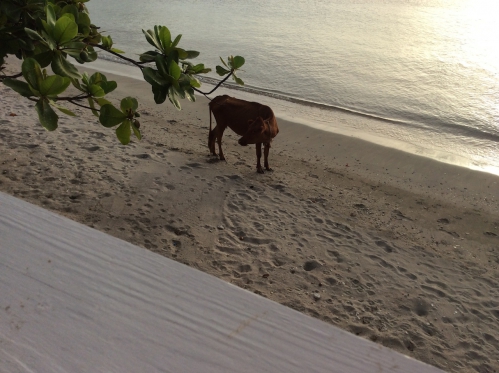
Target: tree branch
[83,106]
[216,87]
[72,98]
[11,76]
[68,99]
[139,65]
[118,55]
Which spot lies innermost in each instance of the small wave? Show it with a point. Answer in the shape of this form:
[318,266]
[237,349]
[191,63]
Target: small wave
[112,58]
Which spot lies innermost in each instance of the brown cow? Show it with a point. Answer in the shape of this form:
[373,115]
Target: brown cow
[255,122]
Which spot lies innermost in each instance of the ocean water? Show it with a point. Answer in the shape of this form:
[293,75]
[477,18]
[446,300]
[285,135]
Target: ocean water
[419,75]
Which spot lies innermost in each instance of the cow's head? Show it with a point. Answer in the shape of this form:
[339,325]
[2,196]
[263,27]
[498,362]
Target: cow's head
[259,130]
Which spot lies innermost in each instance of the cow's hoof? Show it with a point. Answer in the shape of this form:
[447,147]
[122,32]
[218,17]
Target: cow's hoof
[260,170]
[269,169]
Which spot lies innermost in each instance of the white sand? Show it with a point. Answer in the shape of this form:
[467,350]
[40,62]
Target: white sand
[394,247]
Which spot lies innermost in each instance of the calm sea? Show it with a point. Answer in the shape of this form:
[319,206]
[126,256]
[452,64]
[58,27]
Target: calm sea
[421,75]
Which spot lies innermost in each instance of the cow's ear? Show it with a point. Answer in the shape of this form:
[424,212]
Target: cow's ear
[273,129]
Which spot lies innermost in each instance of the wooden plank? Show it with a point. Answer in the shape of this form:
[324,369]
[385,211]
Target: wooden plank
[73,299]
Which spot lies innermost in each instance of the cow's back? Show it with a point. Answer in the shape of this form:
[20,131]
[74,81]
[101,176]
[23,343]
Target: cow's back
[235,113]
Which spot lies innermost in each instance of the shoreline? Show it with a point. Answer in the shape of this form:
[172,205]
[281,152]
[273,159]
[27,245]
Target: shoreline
[367,159]
[393,247]
[335,120]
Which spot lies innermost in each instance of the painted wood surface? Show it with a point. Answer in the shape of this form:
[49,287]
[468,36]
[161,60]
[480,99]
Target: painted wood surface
[73,299]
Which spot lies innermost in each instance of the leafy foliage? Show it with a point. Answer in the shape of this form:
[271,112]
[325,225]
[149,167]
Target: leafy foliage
[44,33]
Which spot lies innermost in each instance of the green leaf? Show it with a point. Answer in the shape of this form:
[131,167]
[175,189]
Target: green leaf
[175,70]
[102,101]
[123,132]
[115,50]
[11,9]
[84,24]
[61,66]
[70,16]
[148,56]
[66,111]
[191,54]
[110,116]
[32,72]
[65,30]
[195,83]
[238,80]
[221,59]
[173,56]
[164,36]
[189,94]
[85,79]
[63,109]
[108,86]
[44,58]
[162,65]
[92,54]
[19,86]
[106,41]
[151,39]
[152,77]
[200,69]
[77,45]
[179,91]
[129,103]
[47,37]
[96,90]
[50,16]
[54,85]
[47,116]
[34,35]
[237,62]
[173,98]
[160,93]
[182,54]
[176,41]
[71,9]
[80,56]
[221,71]
[96,78]
[136,130]
[92,105]
[77,85]
[83,18]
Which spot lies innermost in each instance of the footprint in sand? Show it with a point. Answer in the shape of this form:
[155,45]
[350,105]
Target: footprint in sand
[311,265]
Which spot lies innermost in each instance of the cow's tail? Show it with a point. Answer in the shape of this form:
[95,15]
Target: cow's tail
[210,134]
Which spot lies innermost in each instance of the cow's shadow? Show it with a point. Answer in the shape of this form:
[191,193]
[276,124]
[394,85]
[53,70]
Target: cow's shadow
[213,159]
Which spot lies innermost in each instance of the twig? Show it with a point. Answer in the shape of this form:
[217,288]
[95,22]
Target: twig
[72,98]
[216,87]
[118,55]
[139,65]
[83,106]
[11,76]
[68,99]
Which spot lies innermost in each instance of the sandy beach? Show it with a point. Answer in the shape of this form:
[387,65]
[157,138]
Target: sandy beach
[393,247]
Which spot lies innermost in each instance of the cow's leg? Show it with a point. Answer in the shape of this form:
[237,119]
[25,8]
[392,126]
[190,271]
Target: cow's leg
[220,133]
[266,150]
[259,168]
[211,140]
